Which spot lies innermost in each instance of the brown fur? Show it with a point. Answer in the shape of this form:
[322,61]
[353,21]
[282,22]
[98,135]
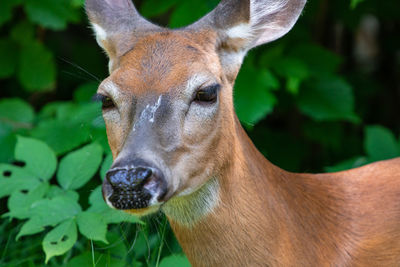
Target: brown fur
[269,217]
[265,216]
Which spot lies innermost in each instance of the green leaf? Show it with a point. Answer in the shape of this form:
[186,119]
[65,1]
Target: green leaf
[50,212]
[175,260]
[294,70]
[92,226]
[37,70]
[6,8]
[13,178]
[79,166]
[61,136]
[252,96]
[39,158]
[15,111]
[380,143]
[20,202]
[106,166]
[8,54]
[348,164]
[60,239]
[51,14]
[109,215]
[328,98]
[318,59]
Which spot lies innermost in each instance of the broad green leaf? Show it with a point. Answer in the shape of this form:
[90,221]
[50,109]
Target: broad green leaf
[61,136]
[79,166]
[328,98]
[92,226]
[37,70]
[6,8]
[348,164]
[16,111]
[40,160]
[56,191]
[60,239]
[21,201]
[50,212]
[380,143]
[106,166]
[8,54]
[175,260]
[51,14]
[252,96]
[13,178]
[318,59]
[109,215]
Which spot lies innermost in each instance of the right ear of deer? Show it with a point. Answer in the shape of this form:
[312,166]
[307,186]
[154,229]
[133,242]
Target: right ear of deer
[244,24]
[116,24]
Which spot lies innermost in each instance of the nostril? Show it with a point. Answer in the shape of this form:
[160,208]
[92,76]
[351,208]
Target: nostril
[143,173]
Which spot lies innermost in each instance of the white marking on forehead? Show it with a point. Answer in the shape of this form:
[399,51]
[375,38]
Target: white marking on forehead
[101,34]
[148,113]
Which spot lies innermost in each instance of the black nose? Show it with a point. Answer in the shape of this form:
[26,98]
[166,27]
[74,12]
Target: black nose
[133,187]
[126,179]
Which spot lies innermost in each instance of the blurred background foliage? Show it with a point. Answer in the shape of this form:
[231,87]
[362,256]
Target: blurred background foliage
[326,97]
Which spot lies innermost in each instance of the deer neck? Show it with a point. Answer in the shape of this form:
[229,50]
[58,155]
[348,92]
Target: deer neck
[233,217]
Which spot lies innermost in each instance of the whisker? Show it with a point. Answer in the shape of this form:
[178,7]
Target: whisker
[80,68]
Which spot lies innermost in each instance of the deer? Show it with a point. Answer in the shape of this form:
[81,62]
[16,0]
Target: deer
[178,147]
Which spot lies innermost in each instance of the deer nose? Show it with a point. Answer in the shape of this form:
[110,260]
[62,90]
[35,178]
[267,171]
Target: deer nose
[126,179]
[134,187]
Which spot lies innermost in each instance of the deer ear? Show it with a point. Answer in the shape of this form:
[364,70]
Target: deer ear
[244,24]
[116,24]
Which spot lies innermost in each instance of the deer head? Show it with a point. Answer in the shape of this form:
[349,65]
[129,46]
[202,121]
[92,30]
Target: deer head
[167,102]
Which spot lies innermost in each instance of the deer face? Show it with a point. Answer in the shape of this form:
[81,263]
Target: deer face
[165,106]
[168,103]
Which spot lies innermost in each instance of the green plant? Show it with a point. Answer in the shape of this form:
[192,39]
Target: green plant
[305,101]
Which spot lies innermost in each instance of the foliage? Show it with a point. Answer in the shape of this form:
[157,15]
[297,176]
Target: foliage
[310,102]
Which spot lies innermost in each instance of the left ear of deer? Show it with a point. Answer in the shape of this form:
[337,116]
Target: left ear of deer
[116,24]
[244,24]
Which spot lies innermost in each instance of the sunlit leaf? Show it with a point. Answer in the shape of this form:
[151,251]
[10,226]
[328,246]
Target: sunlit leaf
[78,167]
[92,226]
[60,239]
[40,160]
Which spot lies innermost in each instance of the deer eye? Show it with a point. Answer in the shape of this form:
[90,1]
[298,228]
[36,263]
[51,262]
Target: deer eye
[208,94]
[106,101]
